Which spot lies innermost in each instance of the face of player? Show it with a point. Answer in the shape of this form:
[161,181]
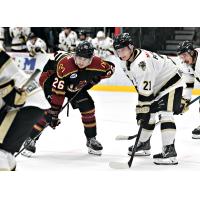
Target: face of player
[33,41]
[82,37]
[186,58]
[124,53]
[67,31]
[82,62]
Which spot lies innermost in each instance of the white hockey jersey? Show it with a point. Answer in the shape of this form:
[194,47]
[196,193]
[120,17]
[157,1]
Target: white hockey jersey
[190,73]
[153,75]
[38,43]
[8,71]
[19,36]
[65,42]
[103,47]
[2,38]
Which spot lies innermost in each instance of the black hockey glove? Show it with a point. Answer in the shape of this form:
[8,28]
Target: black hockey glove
[143,114]
[37,49]
[183,106]
[52,117]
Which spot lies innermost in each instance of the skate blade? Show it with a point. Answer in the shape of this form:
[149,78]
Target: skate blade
[93,152]
[118,165]
[194,136]
[141,153]
[166,161]
[27,153]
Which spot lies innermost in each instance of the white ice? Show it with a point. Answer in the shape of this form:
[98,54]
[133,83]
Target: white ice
[62,159]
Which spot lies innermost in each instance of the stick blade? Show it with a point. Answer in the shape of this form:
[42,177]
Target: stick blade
[118,165]
[122,137]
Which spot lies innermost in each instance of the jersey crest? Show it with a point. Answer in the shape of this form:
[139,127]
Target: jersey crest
[142,65]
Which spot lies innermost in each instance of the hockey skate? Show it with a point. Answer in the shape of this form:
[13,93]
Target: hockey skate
[167,157]
[143,149]
[196,133]
[7,161]
[29,147]
[94,147]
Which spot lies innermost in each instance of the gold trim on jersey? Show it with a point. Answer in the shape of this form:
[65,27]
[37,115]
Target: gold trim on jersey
[170,102]
[6,124]
[87,112]
[38,128]
[58,92]
[94,69]
[89,125]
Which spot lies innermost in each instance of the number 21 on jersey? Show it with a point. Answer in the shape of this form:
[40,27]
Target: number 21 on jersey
[147,85]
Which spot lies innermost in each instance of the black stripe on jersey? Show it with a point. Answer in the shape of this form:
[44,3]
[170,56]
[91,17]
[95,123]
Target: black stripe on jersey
[149,127]
[189,85]
[50,65]
[171,82]
[168,125]
[146,98]
[4,57]
[198,79]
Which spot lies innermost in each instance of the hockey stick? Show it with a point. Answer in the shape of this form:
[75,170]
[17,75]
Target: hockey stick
[130,137]
[32,77]
[120,165]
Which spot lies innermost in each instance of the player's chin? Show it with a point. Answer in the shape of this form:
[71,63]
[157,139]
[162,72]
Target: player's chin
[124,58]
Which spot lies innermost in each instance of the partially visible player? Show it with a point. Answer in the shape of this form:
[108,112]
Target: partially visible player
[190,57]
[19,36]
[64,77]
[19,109]
[35,45]
[103,45]
[159,88]
[67,40]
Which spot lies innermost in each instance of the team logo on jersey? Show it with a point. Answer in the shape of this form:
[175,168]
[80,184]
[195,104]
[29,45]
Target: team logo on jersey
[74,75]
[142,64]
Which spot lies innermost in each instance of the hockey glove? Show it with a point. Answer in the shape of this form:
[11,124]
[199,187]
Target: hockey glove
[183,106]
[12,96]
[142,114]
[76,88]
[38,49]
[52,117]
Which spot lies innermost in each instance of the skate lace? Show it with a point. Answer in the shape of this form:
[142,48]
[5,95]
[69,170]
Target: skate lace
[94,141]
[29,142]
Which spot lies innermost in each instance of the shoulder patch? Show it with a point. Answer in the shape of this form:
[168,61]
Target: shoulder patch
[74,75]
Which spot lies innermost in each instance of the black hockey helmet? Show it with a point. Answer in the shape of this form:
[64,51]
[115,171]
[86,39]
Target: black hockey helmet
[31,36]
[85,49]
[82,32]
[122,40]
[185,46]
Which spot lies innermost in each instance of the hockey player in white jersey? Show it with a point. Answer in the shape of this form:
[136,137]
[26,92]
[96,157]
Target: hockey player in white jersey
[159,88]
[67,40]
[191,69]
[35,45]
[19,36]
[2,37]
[20,108]
[82,36]
[103,45]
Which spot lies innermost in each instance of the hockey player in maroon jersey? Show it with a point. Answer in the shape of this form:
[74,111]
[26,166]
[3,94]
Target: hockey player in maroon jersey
[64,77]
